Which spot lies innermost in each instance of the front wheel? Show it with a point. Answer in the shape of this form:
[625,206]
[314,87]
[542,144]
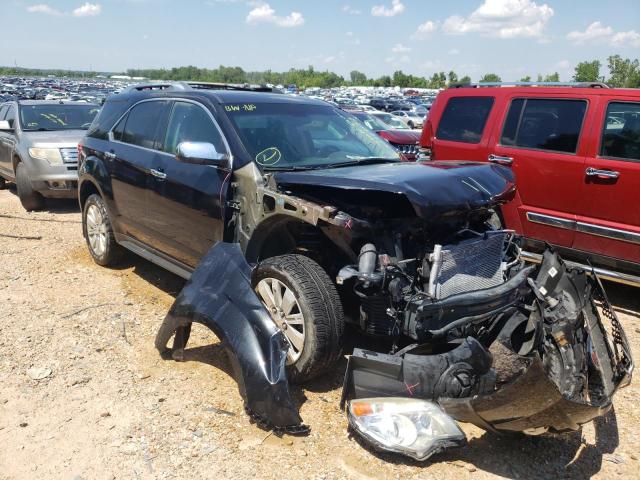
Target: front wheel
[304,303]
[30,199]
[3,183]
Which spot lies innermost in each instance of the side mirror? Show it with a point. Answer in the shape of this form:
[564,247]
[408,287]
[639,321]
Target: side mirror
[201,153]
[5,127]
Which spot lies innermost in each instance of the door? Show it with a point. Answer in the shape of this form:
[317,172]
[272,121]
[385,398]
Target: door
[7,140]
[133,151]
[460,133]
[540,141]
[608,220]
[186,201]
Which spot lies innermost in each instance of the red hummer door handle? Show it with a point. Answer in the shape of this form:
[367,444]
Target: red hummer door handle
[500,159]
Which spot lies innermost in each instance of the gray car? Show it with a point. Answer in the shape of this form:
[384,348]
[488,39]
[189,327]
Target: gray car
[38,147]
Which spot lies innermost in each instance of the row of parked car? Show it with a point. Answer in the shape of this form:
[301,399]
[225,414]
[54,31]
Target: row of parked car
[574,149]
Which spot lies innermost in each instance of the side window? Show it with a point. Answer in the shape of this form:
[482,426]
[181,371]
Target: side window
[3,111]
[191,123]
[142,124]
[11,116]
[543,124]
[464,119]
[118,130]
[621,131]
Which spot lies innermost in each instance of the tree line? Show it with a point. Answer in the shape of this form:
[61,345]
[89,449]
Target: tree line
[623,72]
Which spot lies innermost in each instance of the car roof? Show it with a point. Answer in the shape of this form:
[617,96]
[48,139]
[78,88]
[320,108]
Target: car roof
[483,91]
[52,102]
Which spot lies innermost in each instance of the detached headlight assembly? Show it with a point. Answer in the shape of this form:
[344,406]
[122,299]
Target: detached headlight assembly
[51,155]
[416,428]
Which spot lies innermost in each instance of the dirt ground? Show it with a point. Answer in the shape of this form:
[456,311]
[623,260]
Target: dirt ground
[84,395]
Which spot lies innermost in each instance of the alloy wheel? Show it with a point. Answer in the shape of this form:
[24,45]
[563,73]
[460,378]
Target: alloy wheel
[96,230]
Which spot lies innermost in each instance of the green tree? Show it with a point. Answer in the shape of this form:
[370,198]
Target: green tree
[358,78]
[587,72]
[624,72]
[554,77]
[452,77]
[438,80]
[526,79]
[491,77]
[465,79]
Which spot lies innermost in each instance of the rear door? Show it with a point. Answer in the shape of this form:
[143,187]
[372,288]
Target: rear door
[540,140]
[186,201]
[608,220]
[460,133]
[134,149]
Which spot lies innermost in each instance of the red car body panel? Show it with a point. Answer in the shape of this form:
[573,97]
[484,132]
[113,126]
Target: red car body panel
[557,201]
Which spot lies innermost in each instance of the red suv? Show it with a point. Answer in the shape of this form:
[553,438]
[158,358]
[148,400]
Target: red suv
[575,150]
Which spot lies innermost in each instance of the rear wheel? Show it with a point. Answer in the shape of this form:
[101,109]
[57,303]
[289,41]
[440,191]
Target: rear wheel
[98,232]
[304,304]
[30,199]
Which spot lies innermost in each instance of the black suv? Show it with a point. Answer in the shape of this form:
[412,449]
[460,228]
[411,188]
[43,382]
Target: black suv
[341,229]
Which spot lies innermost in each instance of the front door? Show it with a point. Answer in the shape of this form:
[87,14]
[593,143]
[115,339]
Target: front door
[186,201]
[7,140]
[540,141]
[608,220]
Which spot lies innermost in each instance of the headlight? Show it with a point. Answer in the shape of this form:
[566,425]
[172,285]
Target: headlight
[417,428]
[51,155]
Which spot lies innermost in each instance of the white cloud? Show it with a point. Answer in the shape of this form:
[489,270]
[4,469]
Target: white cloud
[425,29]
[563,64]
[397,7]
[502,19]
[454,51]
[43,8]
[87,10]
[597,32]
[350,10]
[263,13]
[401,59]
[400,48]
[630,38]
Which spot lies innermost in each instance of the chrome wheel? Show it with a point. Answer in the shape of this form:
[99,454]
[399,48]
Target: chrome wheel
[96,230]
[285,311]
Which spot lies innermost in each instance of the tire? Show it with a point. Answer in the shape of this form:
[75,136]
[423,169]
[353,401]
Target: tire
[322,316]
[30,199]
[98,232]
[3,183]
[411,125]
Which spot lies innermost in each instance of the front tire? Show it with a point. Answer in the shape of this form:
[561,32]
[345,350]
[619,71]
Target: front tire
[303,301]
[3,183]
[98,232]
[29,198]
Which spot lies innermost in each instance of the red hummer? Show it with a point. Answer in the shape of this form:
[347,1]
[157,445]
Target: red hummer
[575,150]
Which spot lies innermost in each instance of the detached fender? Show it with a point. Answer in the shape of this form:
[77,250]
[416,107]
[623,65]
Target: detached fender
[219,295]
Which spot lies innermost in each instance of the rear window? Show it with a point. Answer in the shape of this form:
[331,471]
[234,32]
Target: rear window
[142,124]
[464,119]
[544,124]
[621,133]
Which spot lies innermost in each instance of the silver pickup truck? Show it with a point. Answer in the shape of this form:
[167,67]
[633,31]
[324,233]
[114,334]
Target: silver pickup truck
[38,147]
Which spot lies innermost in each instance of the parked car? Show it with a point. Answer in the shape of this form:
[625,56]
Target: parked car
[38,148]
[305,189]
[406,141]
[391,120]
[412,119]
[575,151]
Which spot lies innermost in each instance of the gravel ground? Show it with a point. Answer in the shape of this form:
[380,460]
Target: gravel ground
[86,396]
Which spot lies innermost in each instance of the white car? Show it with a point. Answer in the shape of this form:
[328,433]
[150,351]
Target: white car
[412,119]
[367,108]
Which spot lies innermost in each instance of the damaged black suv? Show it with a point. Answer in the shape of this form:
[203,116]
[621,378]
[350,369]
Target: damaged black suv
[341,228]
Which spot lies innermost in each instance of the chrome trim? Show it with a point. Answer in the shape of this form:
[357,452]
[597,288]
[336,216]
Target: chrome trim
[499,159]
[601,273]
[146,252]
[594,172]
[608,232]
[551,221]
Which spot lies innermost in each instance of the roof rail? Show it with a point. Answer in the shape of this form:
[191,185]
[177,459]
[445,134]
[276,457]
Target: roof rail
[532,84]
[172,86]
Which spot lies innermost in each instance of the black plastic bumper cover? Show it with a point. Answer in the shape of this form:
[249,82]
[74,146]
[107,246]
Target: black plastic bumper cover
[219,295]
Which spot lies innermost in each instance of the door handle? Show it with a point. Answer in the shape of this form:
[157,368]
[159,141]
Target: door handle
[594,172]
[110,155]
[500,159]
[158,174]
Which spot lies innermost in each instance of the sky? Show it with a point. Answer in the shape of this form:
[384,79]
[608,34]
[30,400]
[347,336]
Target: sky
[512,38]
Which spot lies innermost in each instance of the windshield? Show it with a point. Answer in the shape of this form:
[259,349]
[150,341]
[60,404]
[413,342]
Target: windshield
[371,122]
[57,117]
[391,121]
[289,136]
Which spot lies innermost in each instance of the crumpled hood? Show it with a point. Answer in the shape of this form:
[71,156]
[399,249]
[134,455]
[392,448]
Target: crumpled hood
[433,188]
